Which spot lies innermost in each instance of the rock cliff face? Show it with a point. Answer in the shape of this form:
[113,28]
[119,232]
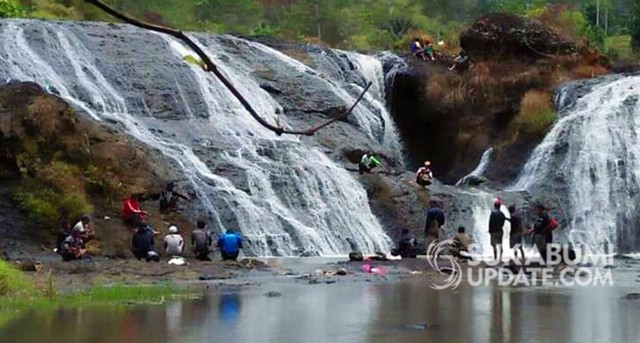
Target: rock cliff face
[504,101]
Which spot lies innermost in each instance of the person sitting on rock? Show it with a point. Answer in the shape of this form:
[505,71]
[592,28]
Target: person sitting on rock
[428,51]
[84,226]
[173,242]
[142,245]
[230,244]
[64,232]
[367,163]
[424,175]
[201,241]
[169,198]
[407,246]
[460,246]
[417,50]
[131,212]
[73,246]
[461,62]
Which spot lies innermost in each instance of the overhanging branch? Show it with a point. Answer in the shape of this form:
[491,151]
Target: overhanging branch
[211,67]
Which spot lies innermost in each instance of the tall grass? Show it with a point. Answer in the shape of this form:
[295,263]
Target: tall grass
[536,113]
[13,283]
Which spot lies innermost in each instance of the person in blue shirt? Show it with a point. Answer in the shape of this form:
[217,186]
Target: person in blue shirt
[230,244]
[417,50]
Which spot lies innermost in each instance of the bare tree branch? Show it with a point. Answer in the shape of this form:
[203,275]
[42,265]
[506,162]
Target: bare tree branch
[211,67]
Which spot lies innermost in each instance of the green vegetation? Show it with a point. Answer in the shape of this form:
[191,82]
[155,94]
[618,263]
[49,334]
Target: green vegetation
[14,283]
[10,9]
[356,24]
[536,113]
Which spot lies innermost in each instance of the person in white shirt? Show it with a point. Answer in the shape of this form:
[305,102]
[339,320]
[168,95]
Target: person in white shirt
[84,227]
[173,242]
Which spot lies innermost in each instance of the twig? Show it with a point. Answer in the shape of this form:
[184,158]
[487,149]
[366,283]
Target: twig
[211,67]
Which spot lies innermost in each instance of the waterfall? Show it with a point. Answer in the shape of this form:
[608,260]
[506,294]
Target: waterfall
[589,162]
[480,168]
[286,196]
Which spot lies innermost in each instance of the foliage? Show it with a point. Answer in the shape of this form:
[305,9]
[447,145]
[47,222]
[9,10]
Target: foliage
[536,114]
[10,9]
[13,282]
[634,26]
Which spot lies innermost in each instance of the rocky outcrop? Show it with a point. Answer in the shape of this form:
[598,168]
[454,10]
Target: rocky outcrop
[452,118]
[57,165]
[502,35]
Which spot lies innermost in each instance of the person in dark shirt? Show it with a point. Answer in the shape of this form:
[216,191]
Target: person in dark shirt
[541,235]
[435,221]
[407,245]
[201,241]
[496,225]
[73,247]
[517,232]
[64,232]
[142,245]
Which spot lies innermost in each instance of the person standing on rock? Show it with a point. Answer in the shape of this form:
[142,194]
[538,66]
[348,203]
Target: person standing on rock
[543,230]
[367,163]
[496,225]
[435,221]
[201,241]
[517,231]
[169,198]
[230,244]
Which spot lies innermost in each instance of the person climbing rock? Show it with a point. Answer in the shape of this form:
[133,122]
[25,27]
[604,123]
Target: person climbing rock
[367,163]
[169,198]
[496,225]
[517,232]
[173,242]
[73,246]
[230,244]
[435,221]
[417,50]
[461,243]
[424,175]
[131,212]
[142,245]
[461,62]
[201,241]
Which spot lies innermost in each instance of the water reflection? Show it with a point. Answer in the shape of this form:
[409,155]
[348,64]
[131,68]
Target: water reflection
[350,312]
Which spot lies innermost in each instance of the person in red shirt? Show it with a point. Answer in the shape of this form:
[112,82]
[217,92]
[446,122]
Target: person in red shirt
[131,212]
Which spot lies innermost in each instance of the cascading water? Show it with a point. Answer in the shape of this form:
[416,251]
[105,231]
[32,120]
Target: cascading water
[480,169]
[287,197]
[591,156]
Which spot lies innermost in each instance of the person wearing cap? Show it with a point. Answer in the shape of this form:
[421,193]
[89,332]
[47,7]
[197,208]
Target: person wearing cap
[424,175]
[73,246]
[496,225]
[173,242]
[84,227]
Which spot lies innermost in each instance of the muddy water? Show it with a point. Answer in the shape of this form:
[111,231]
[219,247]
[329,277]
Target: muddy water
[351,312]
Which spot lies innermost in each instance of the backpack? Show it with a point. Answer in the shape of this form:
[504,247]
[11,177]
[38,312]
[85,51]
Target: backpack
[553,224]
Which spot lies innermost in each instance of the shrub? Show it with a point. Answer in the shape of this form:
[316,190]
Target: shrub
[536,114]
[10,9]
[13,282]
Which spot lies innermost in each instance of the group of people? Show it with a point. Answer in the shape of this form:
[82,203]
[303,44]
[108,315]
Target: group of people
[423,49]
[70,243]
[542,230]
[142,242]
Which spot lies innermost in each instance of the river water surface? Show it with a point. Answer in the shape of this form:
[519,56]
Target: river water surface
[349,311]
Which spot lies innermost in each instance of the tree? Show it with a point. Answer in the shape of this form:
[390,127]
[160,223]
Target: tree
[10,9]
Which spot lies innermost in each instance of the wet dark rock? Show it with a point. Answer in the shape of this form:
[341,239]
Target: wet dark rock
[631,296]
[273,294]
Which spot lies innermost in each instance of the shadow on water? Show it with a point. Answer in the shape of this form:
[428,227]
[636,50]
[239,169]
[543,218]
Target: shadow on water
[350,312]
